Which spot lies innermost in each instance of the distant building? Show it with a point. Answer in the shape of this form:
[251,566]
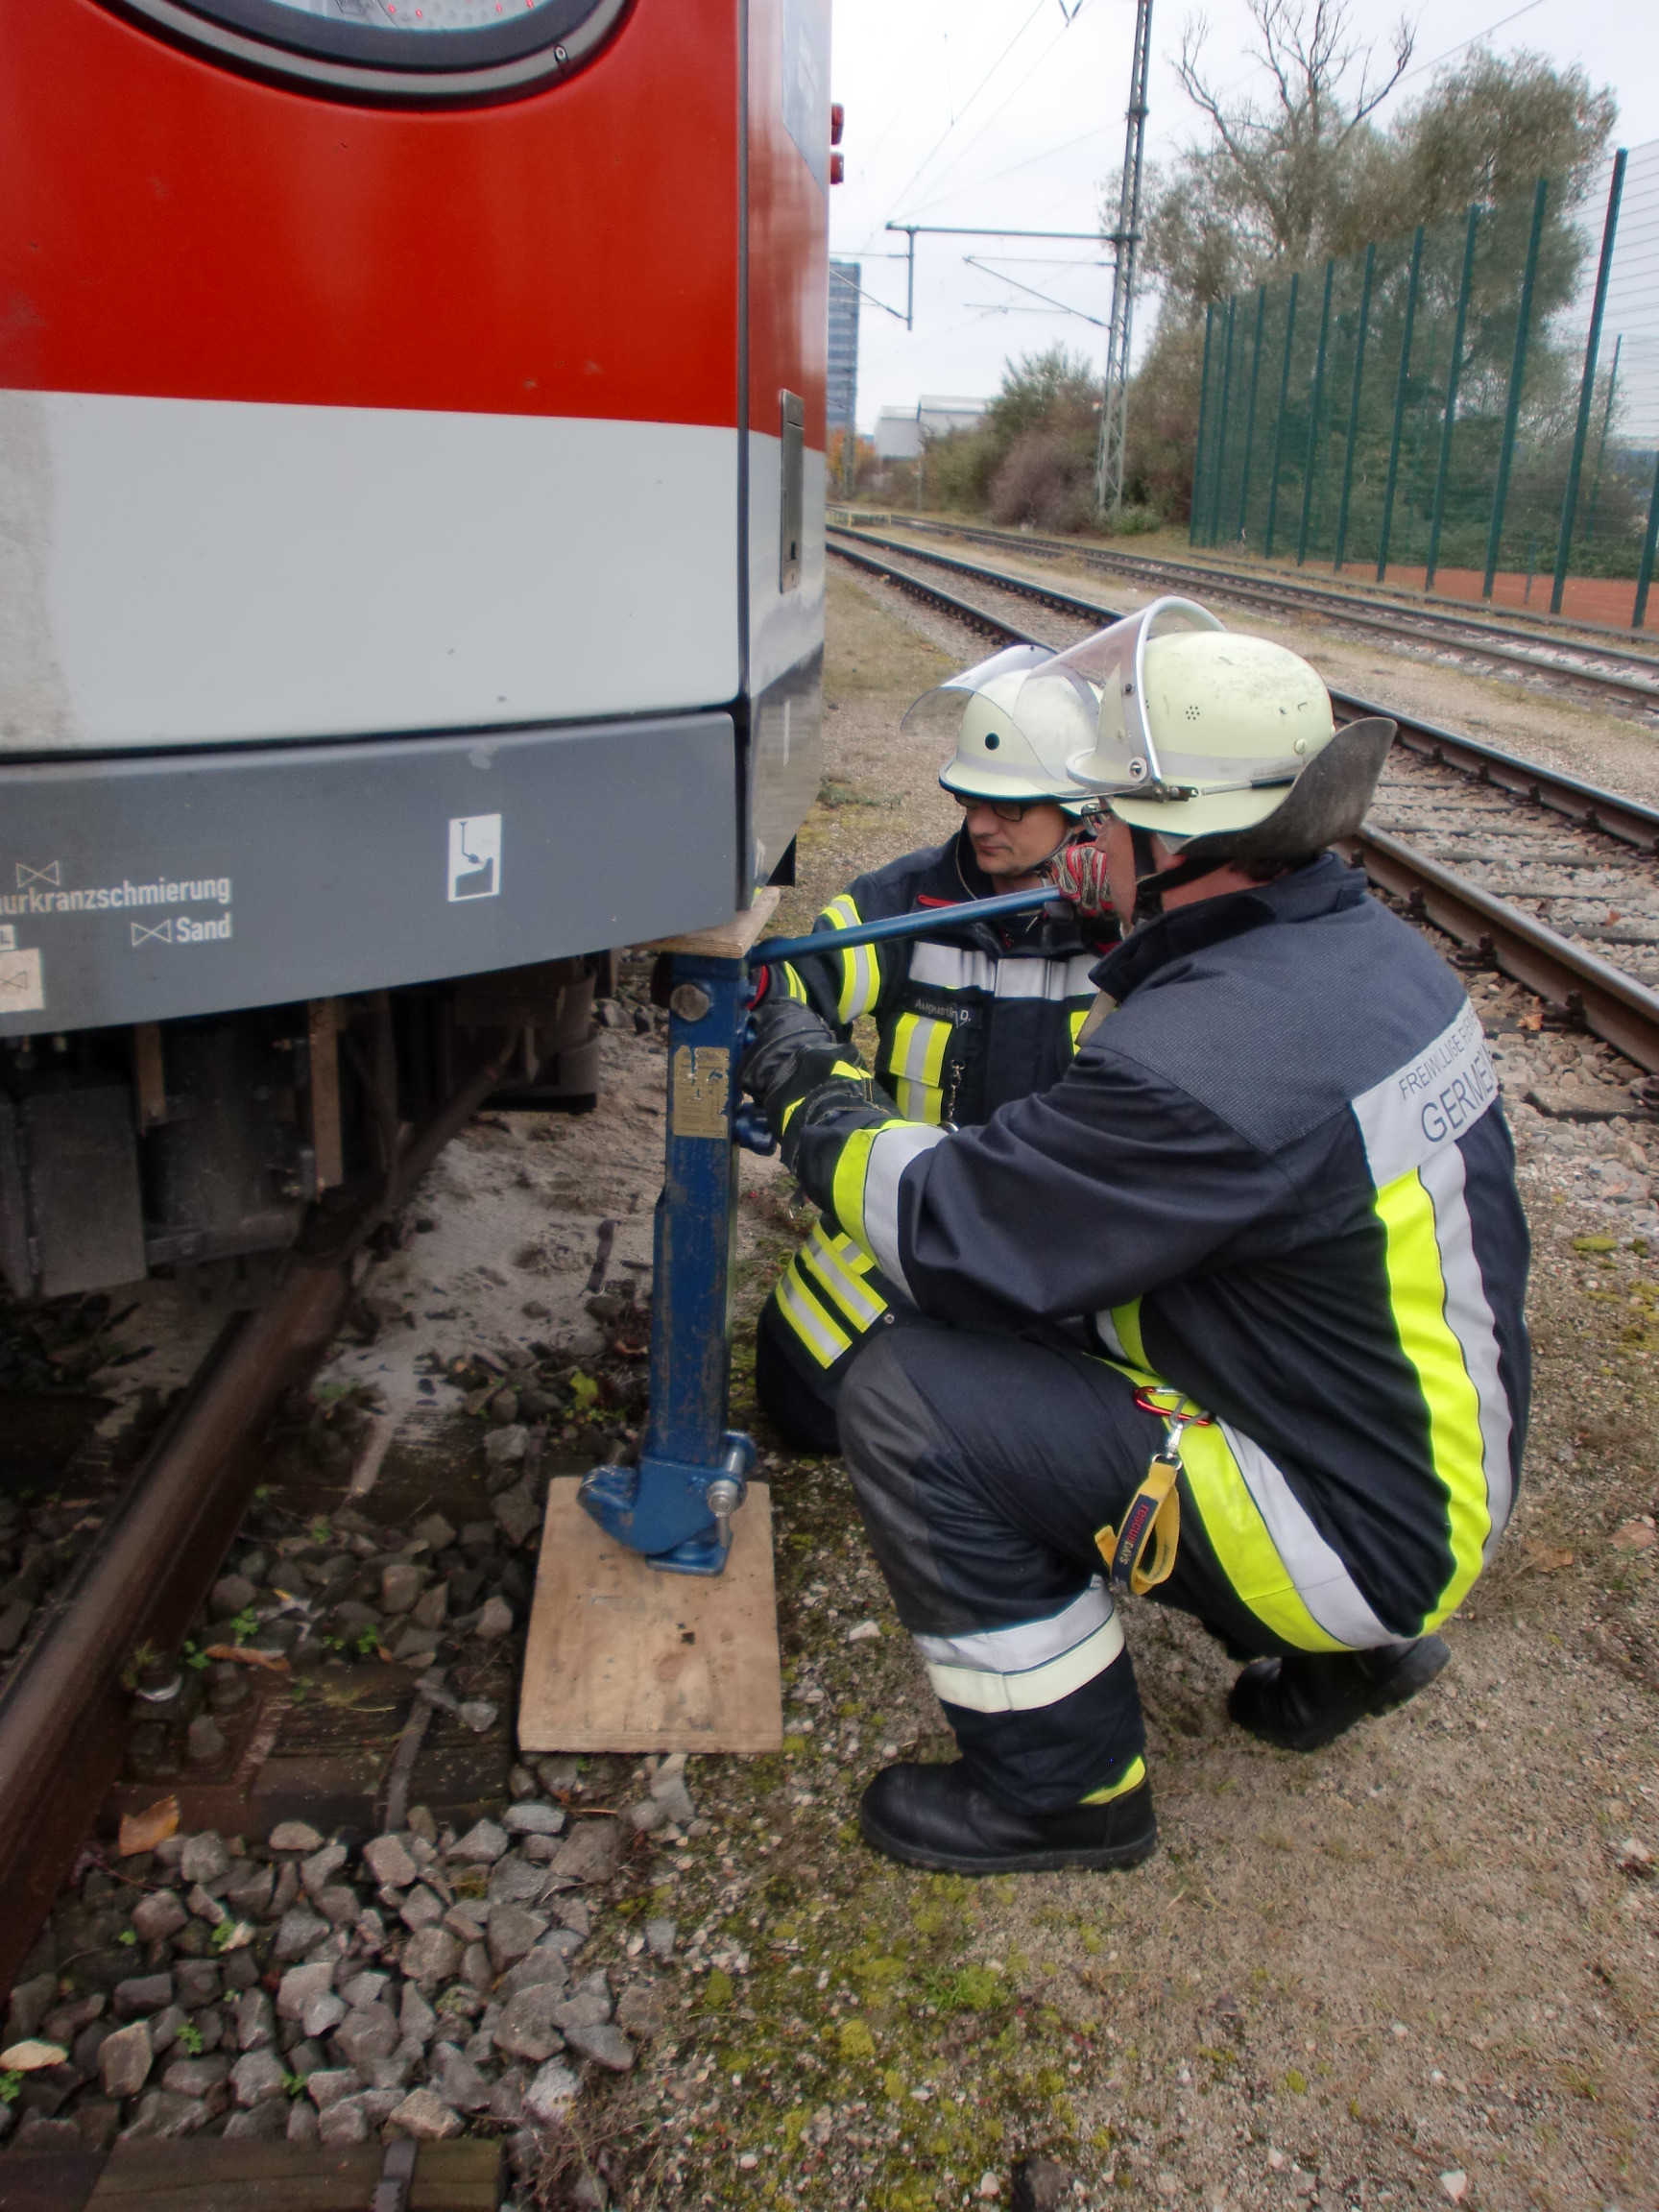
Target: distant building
[938,416]
[901,430]
[843,382]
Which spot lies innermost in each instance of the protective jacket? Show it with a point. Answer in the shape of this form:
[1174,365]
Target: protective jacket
[983,1015]
[1276,1177]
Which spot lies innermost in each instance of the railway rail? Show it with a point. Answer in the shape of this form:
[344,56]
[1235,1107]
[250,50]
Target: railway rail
[1612,1004]
[1603,669]
[144,1578]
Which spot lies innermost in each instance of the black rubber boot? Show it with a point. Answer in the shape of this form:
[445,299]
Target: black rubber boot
[1311,1697]
[936,1817]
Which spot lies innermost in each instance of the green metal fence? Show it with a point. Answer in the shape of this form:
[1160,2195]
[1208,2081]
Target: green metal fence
[1472,409]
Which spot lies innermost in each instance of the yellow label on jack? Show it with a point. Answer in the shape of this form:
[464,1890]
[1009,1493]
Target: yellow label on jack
[702,1086]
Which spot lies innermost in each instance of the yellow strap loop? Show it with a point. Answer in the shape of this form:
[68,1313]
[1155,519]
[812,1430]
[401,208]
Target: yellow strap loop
[1153,1518]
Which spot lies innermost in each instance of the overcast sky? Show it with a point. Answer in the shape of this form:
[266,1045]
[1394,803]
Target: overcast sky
[983,111]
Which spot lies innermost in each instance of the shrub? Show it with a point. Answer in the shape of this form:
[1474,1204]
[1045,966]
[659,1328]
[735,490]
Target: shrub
[1045,482]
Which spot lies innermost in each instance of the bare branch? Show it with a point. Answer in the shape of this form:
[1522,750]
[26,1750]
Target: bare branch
[1286,154]
[1404,42]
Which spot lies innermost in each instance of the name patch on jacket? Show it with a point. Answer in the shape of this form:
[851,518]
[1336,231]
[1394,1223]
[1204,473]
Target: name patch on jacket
[959,1013]
[1431,1101]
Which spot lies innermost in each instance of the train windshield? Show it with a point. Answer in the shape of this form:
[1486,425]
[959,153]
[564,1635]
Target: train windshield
[419,51]
[424,16]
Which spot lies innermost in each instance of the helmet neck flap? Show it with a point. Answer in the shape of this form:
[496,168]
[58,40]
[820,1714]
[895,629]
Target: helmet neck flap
[1328,801]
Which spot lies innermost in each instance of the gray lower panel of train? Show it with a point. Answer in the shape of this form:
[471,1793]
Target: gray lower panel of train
[136,890]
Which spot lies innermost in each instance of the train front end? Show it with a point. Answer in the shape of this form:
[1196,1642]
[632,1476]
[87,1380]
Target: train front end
[411,528]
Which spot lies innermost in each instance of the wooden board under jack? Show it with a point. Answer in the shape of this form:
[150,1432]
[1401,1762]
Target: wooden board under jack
[621,1657]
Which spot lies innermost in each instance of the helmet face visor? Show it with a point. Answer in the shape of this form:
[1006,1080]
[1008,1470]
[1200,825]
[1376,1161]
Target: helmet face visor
[999,754]
[1122,757]
[942,708]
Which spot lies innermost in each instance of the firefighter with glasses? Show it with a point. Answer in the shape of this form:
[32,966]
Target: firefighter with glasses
[965,1021]
[1229,1314]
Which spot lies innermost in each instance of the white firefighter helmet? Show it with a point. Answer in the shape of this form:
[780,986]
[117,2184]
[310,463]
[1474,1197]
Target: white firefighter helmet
[1203,732]
[1004,749]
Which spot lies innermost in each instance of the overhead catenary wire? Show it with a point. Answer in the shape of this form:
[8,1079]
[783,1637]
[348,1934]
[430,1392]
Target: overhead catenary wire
[962,153]
[900,197]
[1474,39]
[974,262]
[1047,154]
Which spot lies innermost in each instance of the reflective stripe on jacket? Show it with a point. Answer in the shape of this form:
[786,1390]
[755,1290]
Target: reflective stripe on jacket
[1278,1176]
[965,1024]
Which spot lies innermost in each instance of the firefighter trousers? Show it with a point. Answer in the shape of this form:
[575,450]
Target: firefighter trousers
[800,1396]
[984,1466]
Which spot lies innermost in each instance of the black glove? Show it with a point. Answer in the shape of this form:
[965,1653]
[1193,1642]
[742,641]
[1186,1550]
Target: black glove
[783,1029]
[796,1056]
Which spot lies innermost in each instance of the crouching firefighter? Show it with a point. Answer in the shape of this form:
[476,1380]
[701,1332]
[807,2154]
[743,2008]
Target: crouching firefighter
[1230,1313]
[967,1020]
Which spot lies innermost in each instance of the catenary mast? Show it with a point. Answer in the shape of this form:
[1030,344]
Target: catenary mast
[1114,399]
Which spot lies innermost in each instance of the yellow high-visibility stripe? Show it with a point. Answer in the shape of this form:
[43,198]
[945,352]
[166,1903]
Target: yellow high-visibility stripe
[861,969]
[1244,1550]
[822,1336]
[1418,1294]
[1126,1320]
[847,1190]
[1074,1023]
[792,982]
[916,1062]
[839,1264]
[917,1049]
[1131,1778]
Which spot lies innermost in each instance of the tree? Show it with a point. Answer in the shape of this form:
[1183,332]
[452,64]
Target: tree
[1163,397]
[1032,459]
[1487,132]
[1055,390]
[1277,171]
[1282,179]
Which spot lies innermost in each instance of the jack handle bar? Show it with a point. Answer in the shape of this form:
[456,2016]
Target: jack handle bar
[917,924]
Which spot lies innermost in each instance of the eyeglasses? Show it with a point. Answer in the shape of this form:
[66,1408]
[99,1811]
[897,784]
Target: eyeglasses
[1004,809]
[1087,815]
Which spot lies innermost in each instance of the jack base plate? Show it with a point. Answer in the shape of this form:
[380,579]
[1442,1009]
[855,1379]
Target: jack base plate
[659,1509]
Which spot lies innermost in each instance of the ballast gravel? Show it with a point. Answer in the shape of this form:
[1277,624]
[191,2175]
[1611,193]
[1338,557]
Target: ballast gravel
[353,2027]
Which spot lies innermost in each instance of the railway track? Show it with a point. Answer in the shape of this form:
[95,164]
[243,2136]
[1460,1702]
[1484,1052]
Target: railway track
[1605,864]
[185,1873]
[1606,671]
[144,1578]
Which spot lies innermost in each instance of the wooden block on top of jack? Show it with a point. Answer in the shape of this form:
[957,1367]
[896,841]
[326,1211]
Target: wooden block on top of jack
[729,940]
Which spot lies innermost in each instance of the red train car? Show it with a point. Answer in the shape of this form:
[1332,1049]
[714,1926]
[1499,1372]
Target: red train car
[411,524]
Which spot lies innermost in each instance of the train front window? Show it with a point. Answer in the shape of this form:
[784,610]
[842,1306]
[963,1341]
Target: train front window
[404,52]
[427,17]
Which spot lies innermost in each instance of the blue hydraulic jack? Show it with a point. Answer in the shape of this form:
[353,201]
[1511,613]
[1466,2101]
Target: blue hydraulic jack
[676,1506]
